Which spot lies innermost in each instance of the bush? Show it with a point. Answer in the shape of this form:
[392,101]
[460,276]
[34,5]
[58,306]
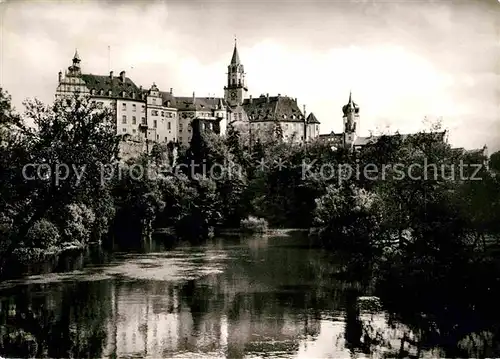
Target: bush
[43,234]
[253,225]
[348,218]
[78,223]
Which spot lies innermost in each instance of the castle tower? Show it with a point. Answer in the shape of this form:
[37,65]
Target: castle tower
[351,122]
[236,89]
[74,69]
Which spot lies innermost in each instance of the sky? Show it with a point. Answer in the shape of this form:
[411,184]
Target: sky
[404,61]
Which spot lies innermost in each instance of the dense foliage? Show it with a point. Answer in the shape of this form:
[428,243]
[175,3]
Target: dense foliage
[421,219]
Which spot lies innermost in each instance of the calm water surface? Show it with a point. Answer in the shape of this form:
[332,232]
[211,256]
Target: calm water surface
[231,298]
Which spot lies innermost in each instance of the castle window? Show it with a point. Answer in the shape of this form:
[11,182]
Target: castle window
[157,137]
[124,106]
[168,103]
[155,124]
[154,113]
[124,130]
[134,107]
[110,93]
[143,108]
[134,120]
[101,92]
[239,82]
[168,125]
[92,92]
[180,127]
[124,119]
[162,114]
[144,121]
[134,130]
[241,116]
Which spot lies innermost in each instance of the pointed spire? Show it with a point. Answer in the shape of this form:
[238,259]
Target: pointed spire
[76,57]
[351,103]
[235,60]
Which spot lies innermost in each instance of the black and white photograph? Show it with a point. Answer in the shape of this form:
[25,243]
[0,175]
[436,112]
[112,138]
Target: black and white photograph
[299,179]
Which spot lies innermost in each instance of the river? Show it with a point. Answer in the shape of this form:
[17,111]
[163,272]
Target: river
[229,298]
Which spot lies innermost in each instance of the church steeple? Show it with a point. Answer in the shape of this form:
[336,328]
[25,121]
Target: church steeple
[235,60]
[235,90]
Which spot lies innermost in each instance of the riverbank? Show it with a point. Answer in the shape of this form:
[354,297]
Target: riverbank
[278,232]
[38,261]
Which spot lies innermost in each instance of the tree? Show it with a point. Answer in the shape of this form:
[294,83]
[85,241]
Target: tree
[73,140]
[233,143]
[277,131]
[138,199]
[494,161]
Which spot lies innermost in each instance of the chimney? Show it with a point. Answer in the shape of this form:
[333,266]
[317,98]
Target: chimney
[194,98]
[122,76]
[267,97]
[250,99]
[295,99]
[111,75]
[171,90]
[60,76]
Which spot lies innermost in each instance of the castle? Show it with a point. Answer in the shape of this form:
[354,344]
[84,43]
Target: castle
[350,139]
[151,115]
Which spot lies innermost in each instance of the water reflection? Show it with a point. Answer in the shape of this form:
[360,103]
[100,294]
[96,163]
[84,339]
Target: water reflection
[258,297]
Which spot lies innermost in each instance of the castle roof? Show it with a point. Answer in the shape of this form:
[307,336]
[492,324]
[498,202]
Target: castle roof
[312,119]
[111,87]
[186,103]
[76,57]
[168,97]
[277,108]
[460,151]
[351,106]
